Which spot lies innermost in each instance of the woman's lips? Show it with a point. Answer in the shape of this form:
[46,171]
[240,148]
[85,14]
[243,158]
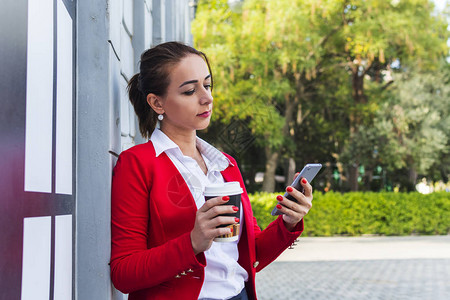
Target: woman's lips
[205,114]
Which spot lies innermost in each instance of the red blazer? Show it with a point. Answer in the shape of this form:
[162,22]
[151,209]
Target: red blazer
[152,215]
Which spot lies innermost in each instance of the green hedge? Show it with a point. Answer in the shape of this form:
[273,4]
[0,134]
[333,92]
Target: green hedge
[358,213]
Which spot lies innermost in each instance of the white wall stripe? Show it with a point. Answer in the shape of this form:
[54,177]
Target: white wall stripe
[39,107]
[36,258]
[124,107]
[63,258]
[128,16]
[64,96]
[127,58]
[148,29]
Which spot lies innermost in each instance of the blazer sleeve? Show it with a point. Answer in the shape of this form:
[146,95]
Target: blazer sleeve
[273,240]
[135,266]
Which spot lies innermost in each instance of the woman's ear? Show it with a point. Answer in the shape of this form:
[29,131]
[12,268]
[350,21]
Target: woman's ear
[155,103]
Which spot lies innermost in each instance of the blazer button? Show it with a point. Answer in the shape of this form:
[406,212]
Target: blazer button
[183,273]
[190,271]
[178,276]
[255,264]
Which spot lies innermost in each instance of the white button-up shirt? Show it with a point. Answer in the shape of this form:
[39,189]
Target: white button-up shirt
[224,277]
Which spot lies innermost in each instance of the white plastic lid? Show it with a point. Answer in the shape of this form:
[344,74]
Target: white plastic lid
[225,189]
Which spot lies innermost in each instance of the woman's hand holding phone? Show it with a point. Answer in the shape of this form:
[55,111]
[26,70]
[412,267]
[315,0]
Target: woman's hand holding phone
[308,173]
[293,211]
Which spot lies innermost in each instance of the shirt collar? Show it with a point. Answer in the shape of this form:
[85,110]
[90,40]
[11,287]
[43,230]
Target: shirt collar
[215,160]
[161,142]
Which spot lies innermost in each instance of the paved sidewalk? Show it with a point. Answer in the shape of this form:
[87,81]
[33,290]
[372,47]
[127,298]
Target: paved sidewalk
[416,267]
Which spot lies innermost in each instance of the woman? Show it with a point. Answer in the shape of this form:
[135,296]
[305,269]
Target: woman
[162,228]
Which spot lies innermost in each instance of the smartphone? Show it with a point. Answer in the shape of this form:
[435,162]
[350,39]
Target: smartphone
[308,172]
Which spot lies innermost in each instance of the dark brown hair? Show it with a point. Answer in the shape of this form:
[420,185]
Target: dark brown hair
[154,77]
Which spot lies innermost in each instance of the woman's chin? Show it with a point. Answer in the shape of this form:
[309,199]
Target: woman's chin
[204,124]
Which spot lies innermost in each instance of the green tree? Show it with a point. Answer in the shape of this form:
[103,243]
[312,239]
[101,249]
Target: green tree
[376,34]
[413,127]
[304,72]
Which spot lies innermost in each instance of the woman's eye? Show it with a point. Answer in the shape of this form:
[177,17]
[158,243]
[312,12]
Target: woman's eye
[207,86]
[190,92]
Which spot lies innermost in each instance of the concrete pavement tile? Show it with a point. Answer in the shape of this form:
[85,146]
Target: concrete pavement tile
[372,279]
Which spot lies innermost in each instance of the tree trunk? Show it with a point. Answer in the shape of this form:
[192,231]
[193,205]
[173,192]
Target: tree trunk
[358,86]
[355,121]
[291,170]
[271,166]
[353,177]
[272,156]
[368,177]
[412,176]
[289,115]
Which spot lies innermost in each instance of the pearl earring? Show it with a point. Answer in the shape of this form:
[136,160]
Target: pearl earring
[160,117]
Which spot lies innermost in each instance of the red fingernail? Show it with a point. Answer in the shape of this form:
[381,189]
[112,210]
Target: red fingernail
[231,229]
[235,208]
[279,206]
[296,174]
[236,220]
[280,198]
[225,198]
[304,181]
[289,189]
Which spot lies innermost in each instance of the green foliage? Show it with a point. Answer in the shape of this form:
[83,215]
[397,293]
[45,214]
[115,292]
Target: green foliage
[415,122]
[410,129]
[311,80]
[358,213]
[262,205]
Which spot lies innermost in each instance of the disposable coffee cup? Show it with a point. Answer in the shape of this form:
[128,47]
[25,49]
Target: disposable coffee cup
[233,190]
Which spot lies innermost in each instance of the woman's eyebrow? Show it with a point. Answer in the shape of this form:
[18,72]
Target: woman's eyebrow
[193,81]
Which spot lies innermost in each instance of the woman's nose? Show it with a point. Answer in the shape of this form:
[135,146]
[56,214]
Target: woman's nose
[206,97]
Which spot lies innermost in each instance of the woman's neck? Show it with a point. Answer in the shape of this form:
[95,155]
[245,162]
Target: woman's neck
[186,140]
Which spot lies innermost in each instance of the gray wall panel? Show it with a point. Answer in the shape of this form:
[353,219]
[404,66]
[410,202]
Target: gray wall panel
[93,160]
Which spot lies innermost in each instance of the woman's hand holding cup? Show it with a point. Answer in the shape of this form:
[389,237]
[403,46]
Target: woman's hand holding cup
[207,220]
[218,219]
